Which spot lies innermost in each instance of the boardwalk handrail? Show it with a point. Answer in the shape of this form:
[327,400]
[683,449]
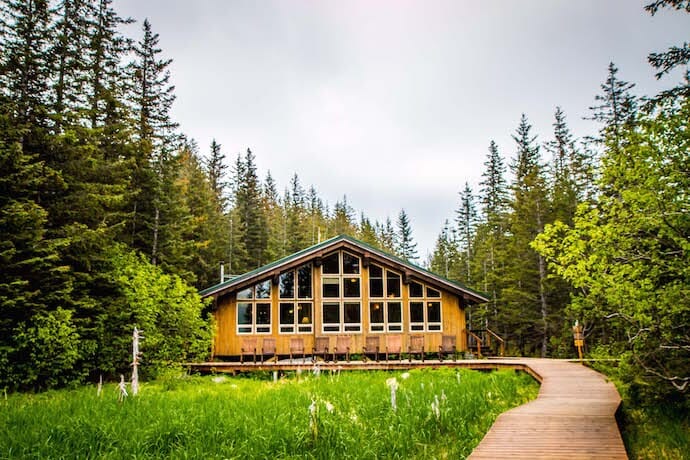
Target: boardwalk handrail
[502,346]
[479,342]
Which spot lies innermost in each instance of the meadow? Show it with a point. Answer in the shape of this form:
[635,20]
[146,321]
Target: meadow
[435,414]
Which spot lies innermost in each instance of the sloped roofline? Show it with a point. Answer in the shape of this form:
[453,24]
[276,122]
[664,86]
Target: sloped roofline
[296,259]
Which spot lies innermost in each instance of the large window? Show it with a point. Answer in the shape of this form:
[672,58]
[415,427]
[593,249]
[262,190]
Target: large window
[341,293]
[254,309]
[385,311]
[425,308]
[295,293]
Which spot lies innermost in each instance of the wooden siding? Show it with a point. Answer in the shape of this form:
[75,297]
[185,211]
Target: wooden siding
[228,343]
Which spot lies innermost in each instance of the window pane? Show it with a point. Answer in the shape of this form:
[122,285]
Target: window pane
[331,313]
[287,285]
[434,327]
[331,287]
[352,328]
[352,312]
[304,313]
[304,282]
[287,329]
[433,311]
[395,327]
[263,290]
[262,329]
[375,281]
[331,264]
[376,287]
[263,313]
[244,294]
[334,328]
[394,312]
[392,284]
[416,312]
[245,330]
[377,328]
[304,328]
[350,264]
[417,327]
[375,313]
[287,313]
[351,287]
[416,289]
[244,313]
[432,292]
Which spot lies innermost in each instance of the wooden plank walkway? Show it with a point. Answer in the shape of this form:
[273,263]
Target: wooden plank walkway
[573,417]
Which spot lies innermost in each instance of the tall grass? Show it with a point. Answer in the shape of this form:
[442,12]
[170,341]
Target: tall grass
[239,417]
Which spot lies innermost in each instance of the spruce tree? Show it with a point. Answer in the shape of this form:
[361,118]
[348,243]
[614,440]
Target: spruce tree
[527,309]
[466,220]
[217,171]
[616,108]
[406,248]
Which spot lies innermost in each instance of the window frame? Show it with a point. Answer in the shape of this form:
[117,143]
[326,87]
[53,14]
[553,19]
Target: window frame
[426,300]
[341,300]
[384,300]
[257,300]
[296,302]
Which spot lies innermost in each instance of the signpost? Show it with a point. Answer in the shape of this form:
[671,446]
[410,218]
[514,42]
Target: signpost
[579,338]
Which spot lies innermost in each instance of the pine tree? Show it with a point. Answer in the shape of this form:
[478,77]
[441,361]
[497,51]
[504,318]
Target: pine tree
[616,109]
[466,220]
[69,53]
[405,247]
[367,231]
[525,296]
[251,221]
[342,222]
[216,170]
[105,77]
[295,217]
[445,256]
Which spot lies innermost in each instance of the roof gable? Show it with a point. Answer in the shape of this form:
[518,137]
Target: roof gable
[367,252]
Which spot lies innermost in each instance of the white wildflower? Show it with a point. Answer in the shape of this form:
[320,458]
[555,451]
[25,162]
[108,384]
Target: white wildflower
[435,409]
[444,398]
[329,406]
[317,370]
[122,388]
[457,377]
[392,383]
[234,387]
[405,375]
[220,379]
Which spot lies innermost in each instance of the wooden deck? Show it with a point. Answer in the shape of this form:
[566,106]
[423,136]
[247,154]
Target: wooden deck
[573,417]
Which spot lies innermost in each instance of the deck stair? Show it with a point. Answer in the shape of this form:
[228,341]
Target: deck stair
[485,343]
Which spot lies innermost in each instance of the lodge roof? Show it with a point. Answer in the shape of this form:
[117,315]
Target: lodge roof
[408,269]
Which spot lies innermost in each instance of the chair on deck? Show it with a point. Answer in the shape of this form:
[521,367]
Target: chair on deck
[268,349]
[394,346]
[248,349]
[342,347]
[416,347]
[447,346]
[321,347]
[372,346]
[296,348]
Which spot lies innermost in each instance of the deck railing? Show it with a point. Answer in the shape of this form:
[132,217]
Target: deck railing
[485,341]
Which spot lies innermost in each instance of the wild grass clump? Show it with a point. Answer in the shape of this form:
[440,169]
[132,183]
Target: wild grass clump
[440,414]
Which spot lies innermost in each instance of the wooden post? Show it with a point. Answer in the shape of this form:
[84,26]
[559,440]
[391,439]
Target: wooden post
[579,338]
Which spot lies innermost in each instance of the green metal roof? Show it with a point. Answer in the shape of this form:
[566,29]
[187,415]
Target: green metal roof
[334,242]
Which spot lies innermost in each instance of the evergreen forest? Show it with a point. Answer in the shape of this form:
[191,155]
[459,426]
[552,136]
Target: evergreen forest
[111,217]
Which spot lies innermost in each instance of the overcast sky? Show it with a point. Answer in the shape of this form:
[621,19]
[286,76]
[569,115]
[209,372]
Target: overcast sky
[394,103]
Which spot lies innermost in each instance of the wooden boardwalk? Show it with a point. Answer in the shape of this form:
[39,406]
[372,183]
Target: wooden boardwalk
[572,418]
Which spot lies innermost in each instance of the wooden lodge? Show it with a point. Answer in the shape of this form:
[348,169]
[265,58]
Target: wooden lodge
[340,296]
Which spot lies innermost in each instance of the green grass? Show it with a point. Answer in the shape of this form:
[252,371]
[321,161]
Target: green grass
[240,417]
[652,429]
